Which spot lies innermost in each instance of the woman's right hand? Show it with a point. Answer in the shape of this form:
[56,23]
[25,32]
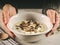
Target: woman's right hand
[54,17]
[6,13]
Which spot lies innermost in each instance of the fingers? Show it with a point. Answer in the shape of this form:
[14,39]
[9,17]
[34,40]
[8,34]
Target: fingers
[6,16]
[56,23]
[54,19]
[51,15]
[12,34]
[49,33]
[8,31]
[5,27]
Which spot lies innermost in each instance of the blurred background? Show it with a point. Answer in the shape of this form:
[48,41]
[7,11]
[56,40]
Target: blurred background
[32,3]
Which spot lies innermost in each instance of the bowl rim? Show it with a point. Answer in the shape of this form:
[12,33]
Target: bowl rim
[14,31]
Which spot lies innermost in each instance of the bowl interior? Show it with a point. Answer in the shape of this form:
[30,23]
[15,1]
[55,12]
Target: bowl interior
[29,15]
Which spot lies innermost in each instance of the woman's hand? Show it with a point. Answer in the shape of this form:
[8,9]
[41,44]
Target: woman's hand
[6,13]
[54,17]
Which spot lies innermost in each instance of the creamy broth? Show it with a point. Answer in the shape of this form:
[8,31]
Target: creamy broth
[30,26]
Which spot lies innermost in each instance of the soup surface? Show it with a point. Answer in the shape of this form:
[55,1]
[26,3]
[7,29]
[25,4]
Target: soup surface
[29,26]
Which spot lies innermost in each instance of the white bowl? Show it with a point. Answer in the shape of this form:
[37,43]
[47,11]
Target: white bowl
[28,15]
